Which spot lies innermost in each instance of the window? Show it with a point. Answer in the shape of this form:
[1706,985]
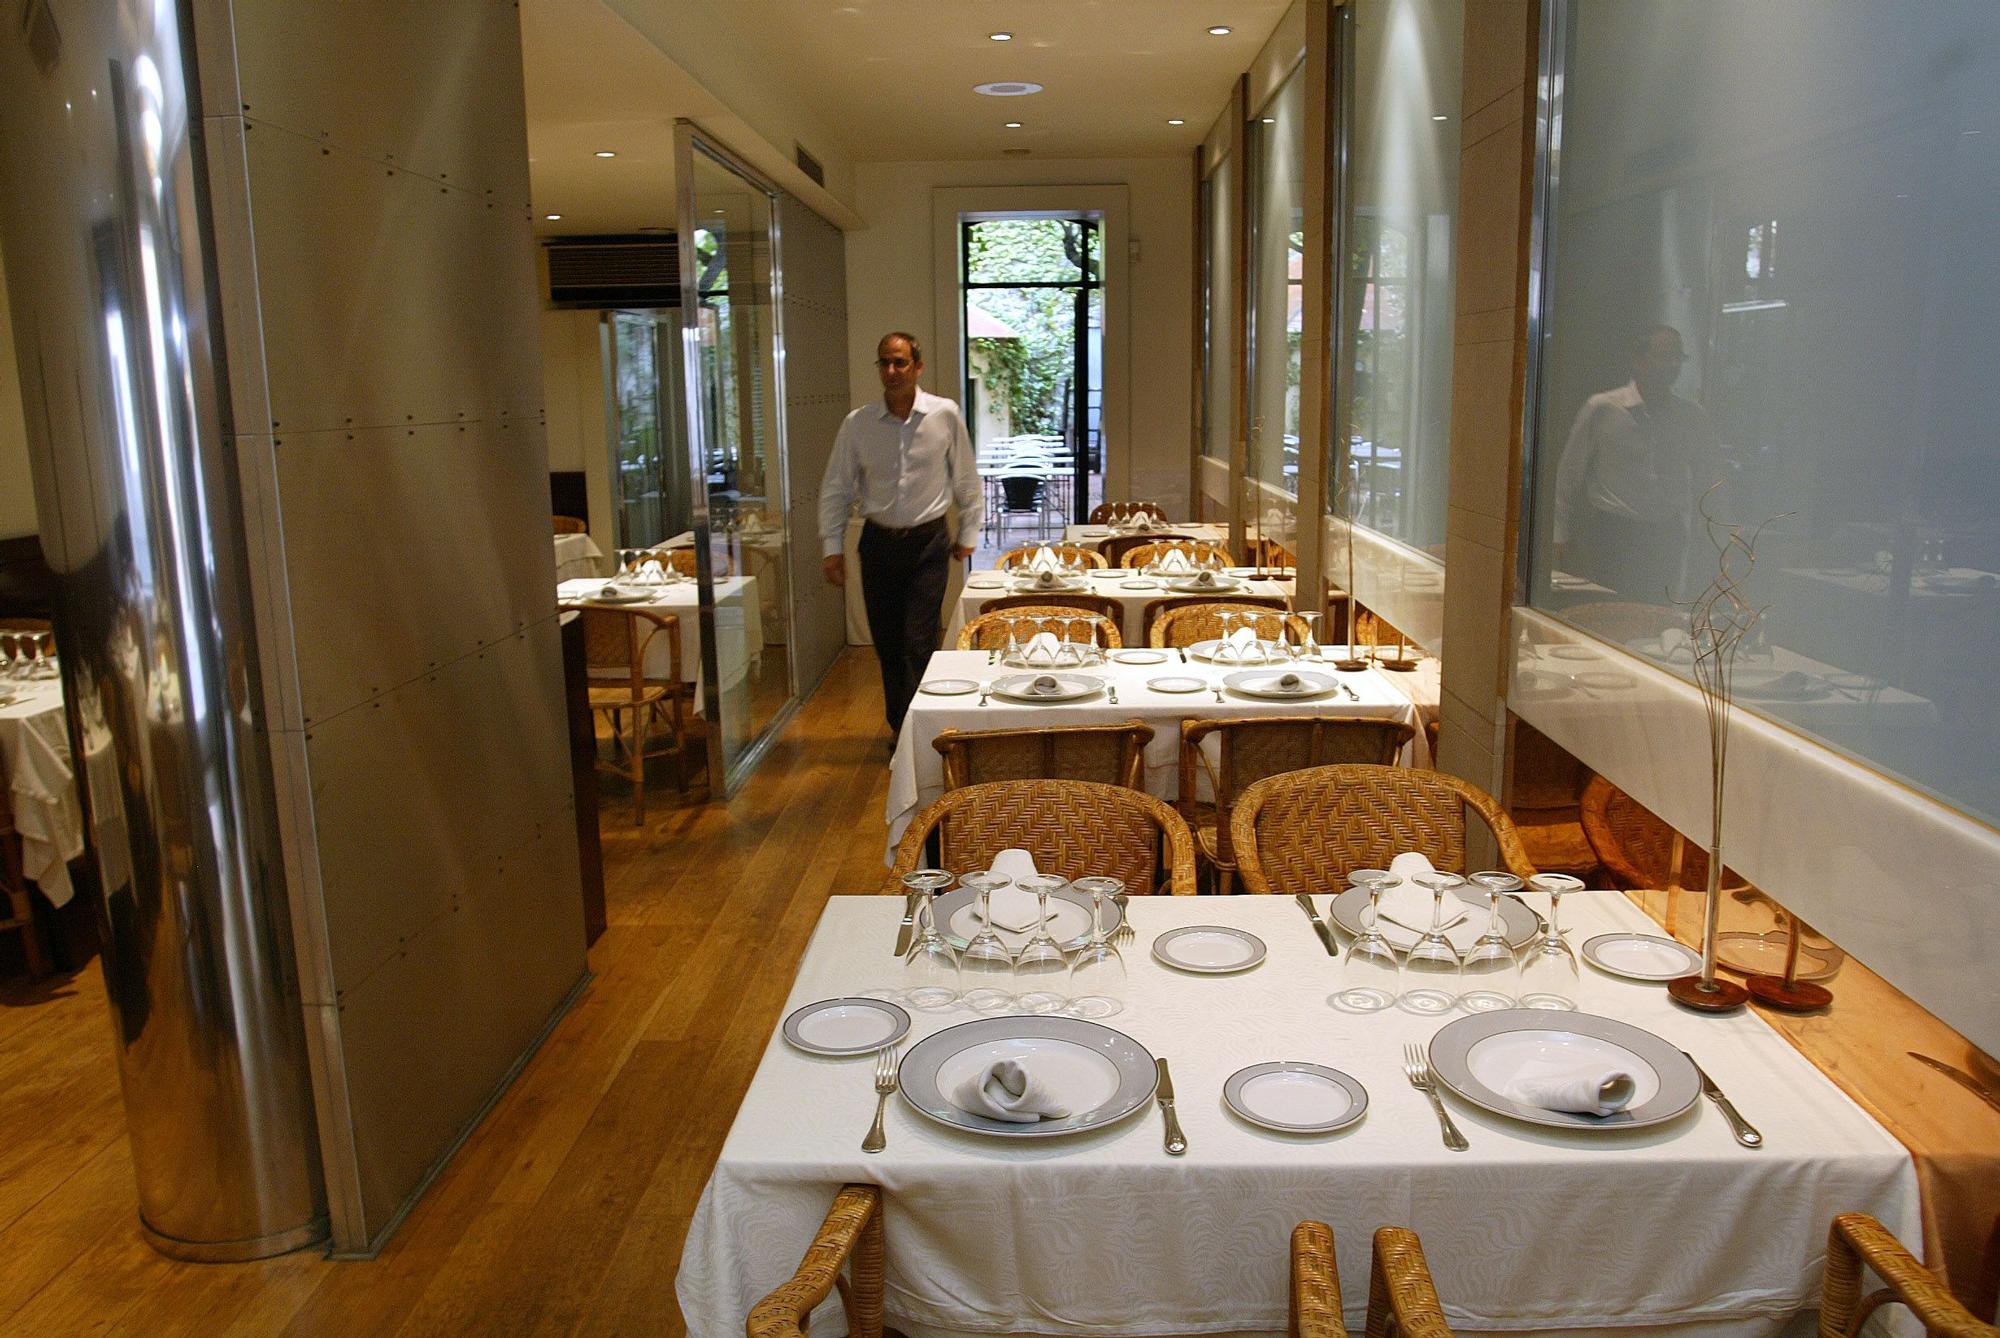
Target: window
[1277,261]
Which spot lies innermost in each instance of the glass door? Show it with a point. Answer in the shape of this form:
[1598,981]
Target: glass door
[649,481]
[731,347]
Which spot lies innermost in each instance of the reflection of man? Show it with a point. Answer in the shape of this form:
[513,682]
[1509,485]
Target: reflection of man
[905,460]
[1626,485]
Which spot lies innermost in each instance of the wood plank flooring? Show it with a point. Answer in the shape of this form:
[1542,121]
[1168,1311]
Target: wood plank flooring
[565,1210]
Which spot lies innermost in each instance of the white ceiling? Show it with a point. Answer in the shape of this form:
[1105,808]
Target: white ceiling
[892,79]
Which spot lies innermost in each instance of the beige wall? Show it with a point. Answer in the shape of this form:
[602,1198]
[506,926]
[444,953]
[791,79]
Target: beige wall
[17,488]
[889,285]
[573,402]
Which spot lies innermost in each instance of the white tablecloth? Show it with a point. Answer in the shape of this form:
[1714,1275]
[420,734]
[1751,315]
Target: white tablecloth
[979,588]
[916,772]
[41,784]
[577,556]
[1092,536]
[1674,1228]
[738,625]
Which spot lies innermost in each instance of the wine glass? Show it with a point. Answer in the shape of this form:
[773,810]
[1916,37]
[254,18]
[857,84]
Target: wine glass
[1041,972]
[1429,981]
[1011,651]
[1490,979]
[986,968]
[930,967]
[1097,975]
[1309,648]
[1225,649]
[1078,635]
[10,651]
[1370,976]
[45,660]
[1549,974]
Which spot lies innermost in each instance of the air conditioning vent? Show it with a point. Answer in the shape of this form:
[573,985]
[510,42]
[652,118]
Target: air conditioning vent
[808,164]
[627,270]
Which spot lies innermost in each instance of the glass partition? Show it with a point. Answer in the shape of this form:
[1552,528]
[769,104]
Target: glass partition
[1219,310]
[1277,277]
[649,482]
[1769,264]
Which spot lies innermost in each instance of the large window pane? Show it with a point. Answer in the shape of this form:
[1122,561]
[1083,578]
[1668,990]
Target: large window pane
[1219,310]
[1773,266]
[1277,261]
[1403,198]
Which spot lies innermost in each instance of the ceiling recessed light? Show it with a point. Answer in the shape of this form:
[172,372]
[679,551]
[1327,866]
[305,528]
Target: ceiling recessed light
[999,37]
[1013,125]
[1440,118]
[1007,88]
[552,217]
[1175,120]
[1270,120]
[1219,30]
[606,153]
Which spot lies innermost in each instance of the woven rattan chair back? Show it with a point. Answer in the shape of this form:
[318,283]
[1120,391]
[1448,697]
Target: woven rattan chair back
[1197,550]
[1072,828]
[850,1235]
[1303,831]
[1110,513]
[1195,623]
[1858,1244]
[1402,1300]
[1624,622]
[682,560]
[1107,754]
[988,631]
[1154,608]
[1271,553]
[1118,545]
[1315,1291]
[1102,605]
[569,525]
[1637,848]
[1017,557]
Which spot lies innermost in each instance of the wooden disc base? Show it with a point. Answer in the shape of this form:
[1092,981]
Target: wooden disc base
[1726,997]
[1801,996]
[1397,666]
[1352,666]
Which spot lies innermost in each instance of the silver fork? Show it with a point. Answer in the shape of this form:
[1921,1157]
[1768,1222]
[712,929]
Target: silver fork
[984,688]
[887,1063]
[1113,689]
[1125,933]
[1418,1071]
[1217,689]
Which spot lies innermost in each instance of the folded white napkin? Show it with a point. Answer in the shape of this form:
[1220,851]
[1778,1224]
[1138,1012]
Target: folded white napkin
[1142,520]
[1041,646]
[1011,907]
[1578,1086]
[1047,580]
[1204,578]
[1410,905]
[1175,562]
[1044,559]
[1004,1090]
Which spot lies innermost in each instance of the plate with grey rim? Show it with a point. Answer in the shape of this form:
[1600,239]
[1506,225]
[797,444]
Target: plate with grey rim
[1647,957]
[849,1026]
[1290,1096]
[1105,1072]
[1069,687]
[1270,684]
[1516,920]
[1468,1055]
[949,904]
[1209,950]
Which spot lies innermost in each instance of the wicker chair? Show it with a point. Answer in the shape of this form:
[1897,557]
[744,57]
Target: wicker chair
[1072,828]
[988,631]
[1118,545]
[1301,831]
[1543,797]
[682,560]
[1110,513]
[1016,557]
[570,525]
[1315,1292]
[1154,608]
[1195,623]
[1107,754]
[19,911]
[1253,747]
[1401,1296]
[617,640]
[1271,553]
[1856,1240]
[1637,849]
[1196,550]
[1102,605]
[850,1235]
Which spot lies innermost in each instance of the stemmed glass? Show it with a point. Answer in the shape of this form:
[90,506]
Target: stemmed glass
[1041,972]
[986,968]
[1429,979]
[1225,648]
[44,667]
[1549,973]
[1309,649]
[1097,975]
[1371,972]
[1490,979]
[1078,636]
[10,650]
[1010,653]
[930,967]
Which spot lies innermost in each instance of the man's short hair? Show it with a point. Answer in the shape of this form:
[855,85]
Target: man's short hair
[1642,343]
[916,349]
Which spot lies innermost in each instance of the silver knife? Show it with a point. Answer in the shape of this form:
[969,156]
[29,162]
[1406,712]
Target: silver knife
[1959,1076]
[1319,925]
[908,928]
[1176,1140]
[1746,1133]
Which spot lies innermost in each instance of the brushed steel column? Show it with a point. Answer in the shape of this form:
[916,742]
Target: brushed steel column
[106,232]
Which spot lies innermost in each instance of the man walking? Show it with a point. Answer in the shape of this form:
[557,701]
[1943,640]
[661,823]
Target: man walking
[905,460]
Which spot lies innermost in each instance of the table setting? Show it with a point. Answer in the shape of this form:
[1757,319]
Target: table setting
[1091,536]
[1120,1144]
[36,762]
[739,627]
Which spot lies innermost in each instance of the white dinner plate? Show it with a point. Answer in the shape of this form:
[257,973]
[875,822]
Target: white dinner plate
[1292,1097]
[1067,687]
[1139,657]
[1100,1074]
[1069,919]
[1641,956]
[1094,532]
[1270,683]
[948,687]
[610,596]
[1175,683]
[846,1026]
[1222,585]
[1031,585]
[1476,1057]
[1209,950]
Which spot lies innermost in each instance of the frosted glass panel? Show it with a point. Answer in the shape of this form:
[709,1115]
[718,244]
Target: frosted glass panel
[1219,309]
[1773,264]
[1277,258]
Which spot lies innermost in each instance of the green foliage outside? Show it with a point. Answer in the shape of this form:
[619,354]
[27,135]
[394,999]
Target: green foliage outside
[1026,375]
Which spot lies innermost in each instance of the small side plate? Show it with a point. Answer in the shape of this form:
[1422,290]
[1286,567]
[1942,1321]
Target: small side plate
[1209,950]
[1641,956]
[948,687]
[1174,683]
[1138,657]
[1292,1097]
[841,1027]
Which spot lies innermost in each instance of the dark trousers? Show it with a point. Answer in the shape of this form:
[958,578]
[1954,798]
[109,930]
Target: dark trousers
[903,575]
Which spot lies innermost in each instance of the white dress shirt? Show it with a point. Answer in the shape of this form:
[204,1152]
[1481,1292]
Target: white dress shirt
[903,471]
[1629,459]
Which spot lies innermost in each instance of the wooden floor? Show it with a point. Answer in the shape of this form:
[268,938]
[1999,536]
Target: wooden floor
[564,1211]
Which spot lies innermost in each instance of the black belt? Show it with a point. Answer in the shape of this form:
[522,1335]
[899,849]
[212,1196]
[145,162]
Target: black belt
[936,523]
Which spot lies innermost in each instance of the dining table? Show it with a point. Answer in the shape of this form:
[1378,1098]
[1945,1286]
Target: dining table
[1133,590]
[578,556]
[916,771]
[738,625]
[1093,536]
[1673,1227]
[36,764]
